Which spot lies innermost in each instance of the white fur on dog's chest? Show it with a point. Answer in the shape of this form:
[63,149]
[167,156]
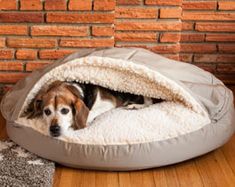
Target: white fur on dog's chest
[100,106]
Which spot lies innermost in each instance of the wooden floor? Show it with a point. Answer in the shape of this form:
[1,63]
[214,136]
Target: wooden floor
[216,168]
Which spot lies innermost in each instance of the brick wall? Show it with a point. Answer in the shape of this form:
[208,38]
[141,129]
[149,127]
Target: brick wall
[208,36]
[37,32]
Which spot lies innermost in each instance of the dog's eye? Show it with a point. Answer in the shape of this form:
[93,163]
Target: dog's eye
[64,111]
[47,112]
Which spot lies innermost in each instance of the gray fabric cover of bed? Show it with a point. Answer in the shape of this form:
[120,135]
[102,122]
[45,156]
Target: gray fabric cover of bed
[206,92]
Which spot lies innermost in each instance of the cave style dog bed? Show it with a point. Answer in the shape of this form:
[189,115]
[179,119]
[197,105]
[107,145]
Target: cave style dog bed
[197,115]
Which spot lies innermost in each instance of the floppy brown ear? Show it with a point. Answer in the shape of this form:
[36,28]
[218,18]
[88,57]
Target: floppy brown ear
[81,114]
[36,106]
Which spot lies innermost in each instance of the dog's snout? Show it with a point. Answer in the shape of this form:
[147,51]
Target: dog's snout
[55,130]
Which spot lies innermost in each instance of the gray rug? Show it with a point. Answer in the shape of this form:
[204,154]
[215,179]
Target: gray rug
[19,168]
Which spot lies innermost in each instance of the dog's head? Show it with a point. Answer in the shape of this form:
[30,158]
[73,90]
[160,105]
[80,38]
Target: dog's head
[61,106]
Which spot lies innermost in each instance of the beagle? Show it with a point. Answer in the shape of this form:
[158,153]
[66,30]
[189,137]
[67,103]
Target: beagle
[63,105]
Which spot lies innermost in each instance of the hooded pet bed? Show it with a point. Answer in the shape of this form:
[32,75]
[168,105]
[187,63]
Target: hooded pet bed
[197,114]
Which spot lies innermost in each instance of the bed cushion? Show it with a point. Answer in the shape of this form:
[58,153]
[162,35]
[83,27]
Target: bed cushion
[197,114]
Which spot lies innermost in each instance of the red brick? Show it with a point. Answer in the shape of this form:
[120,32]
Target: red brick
[124,12]
[207,67]
[104,4]
[31,42]
[80,5]
[13,30]
[227,48]
[2,42]
[206,58]
[215,58]
[166,48]
[226,78]
[11,66]
[208,16]
[170,12]
[129,44]
[186,57]
[40,30]
[79,18]
[187,26]
[226,5]
[11,77]
[170,37]
[8,5]
[199,5]
[135,37]
[31,66]
[55,5]
[21,17]
[102,31]
[163,2]
[215,27]
[128,2]
[148,26]
[226,68]
[220,37]
[198,48]
[6,54]
[171,56]
[54,54]
[86,42]
[26,54]
[30,5]
[192,37]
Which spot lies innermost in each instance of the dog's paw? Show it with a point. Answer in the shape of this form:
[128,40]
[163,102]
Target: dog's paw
[134,106]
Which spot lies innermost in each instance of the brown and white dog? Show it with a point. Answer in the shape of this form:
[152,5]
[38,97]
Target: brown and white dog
[63,105]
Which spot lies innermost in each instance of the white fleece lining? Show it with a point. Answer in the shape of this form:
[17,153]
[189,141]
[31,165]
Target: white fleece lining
[181,113]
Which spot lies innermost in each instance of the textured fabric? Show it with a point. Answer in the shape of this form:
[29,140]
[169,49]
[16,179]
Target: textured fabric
[179,114]
[20,168]
[202,87]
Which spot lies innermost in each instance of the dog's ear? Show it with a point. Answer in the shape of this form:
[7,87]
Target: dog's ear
[36,106]
[80,109]
[81,114]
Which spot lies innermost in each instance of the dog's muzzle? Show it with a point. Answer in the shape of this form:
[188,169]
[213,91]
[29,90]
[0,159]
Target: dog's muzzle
[55,130]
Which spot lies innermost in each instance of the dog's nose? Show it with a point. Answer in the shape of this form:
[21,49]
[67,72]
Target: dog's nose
[55,130]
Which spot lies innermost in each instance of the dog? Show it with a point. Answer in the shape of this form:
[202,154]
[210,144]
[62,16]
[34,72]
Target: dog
[69,104]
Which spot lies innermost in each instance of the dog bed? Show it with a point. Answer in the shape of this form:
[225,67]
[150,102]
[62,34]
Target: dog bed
[197,114]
